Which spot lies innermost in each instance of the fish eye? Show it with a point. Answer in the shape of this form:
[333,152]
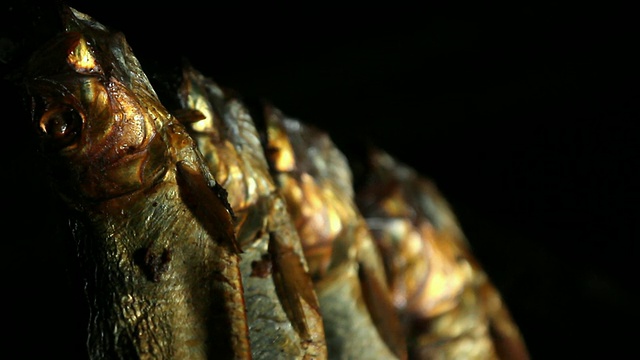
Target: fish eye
[61,125]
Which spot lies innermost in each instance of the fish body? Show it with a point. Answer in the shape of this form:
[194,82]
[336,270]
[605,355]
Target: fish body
[449,307]
[282,306]
[160,258]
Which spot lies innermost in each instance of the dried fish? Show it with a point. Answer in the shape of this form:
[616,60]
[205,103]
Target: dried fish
[160,257]
[283,311]
[448,305]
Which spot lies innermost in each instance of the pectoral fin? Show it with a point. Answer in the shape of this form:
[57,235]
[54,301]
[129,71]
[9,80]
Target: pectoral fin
[293,284]
[382,312]
[207,206]
[188,116]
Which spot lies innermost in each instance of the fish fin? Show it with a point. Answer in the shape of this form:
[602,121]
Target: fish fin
[293,284]
[251,222]
[188,116]
[382,312]
[505,334]
[207,206]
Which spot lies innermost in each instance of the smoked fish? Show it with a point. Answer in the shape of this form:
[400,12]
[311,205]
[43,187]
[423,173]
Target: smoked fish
[154,231]
[282,306]
[448,306]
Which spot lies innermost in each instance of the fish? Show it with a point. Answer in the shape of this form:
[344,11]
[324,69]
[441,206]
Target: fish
[345,264]
[282,306]
[154,232]
[448,305]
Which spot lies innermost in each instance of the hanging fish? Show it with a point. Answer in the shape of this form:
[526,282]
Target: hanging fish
[154,232]
[315,179]
[282,306]
[449,307]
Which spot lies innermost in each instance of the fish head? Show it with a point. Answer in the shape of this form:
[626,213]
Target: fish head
[95,113]
[315,179]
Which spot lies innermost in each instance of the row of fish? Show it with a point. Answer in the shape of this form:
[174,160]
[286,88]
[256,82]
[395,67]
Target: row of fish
[211,231]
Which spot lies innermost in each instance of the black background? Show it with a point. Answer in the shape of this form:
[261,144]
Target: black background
[526,116]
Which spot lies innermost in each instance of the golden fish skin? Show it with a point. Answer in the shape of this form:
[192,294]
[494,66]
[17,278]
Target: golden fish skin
[282,306]
[159,255]
[448,305]
[347,269]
